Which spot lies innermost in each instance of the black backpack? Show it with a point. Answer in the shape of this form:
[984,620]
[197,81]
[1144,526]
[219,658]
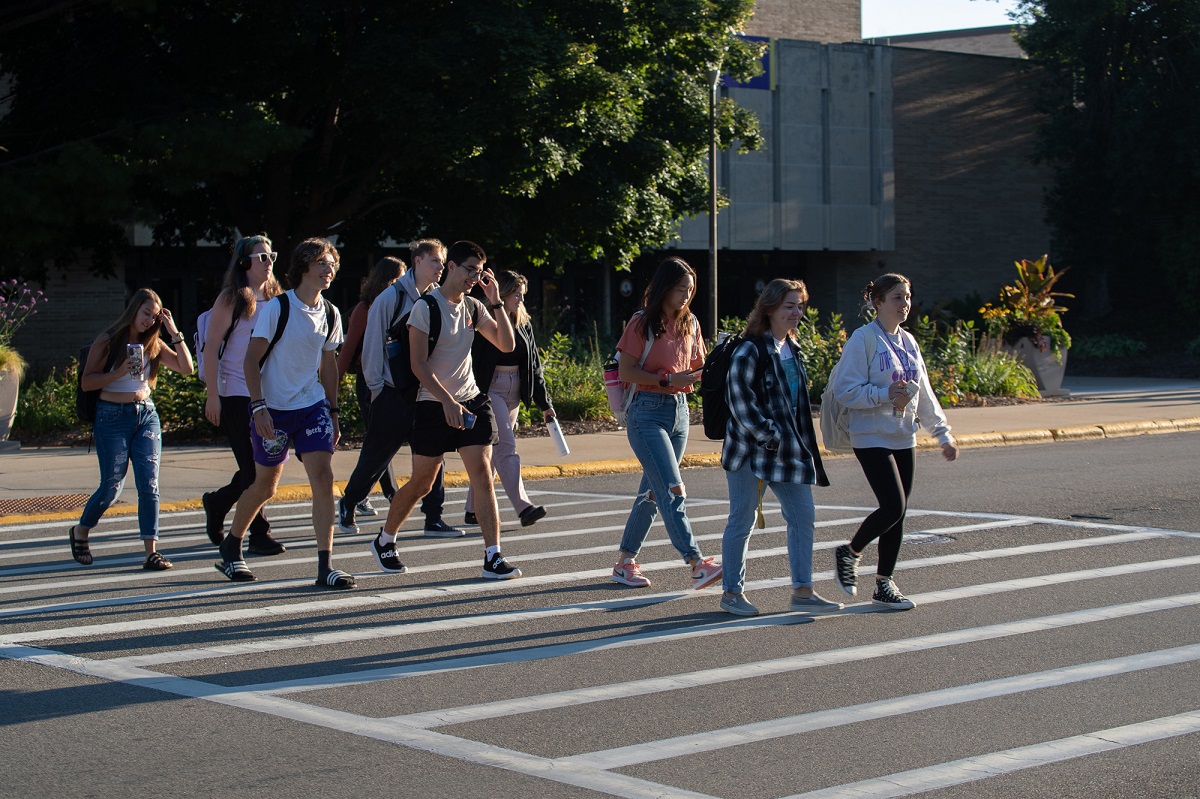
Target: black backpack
[85,401]
[713,403]
[397,349]
[285,309]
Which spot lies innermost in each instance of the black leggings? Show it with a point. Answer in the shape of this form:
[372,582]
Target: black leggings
[890,475]
[235,421]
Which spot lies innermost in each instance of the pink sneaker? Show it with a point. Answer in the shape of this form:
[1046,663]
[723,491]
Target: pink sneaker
[629,573]
[705,573]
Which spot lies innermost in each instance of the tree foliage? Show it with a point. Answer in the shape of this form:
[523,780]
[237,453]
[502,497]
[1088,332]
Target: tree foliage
[1119,82]
[549,130]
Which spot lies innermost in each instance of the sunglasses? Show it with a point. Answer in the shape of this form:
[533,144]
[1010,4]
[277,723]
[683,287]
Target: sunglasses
[264,257]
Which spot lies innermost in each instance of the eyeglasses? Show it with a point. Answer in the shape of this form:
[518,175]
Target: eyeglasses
[331,264]
[474,274]
[265,257]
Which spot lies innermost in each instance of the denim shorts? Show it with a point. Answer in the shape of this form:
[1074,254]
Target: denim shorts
[308,429]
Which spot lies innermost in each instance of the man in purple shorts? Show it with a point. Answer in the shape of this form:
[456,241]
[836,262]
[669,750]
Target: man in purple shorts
[291,372]
[452,412]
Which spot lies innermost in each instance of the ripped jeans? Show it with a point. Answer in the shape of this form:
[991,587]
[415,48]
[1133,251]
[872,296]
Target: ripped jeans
[126,433]
[658,430]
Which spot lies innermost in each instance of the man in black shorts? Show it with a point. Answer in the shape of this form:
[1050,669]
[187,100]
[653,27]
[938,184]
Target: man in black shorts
[452,413]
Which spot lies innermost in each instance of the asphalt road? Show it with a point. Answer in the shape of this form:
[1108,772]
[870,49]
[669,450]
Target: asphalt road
[1053,652]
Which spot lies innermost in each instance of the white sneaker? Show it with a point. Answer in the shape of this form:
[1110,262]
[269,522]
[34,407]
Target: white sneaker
[364,508]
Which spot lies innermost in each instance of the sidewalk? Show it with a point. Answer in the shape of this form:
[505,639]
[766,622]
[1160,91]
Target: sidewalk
[55,482]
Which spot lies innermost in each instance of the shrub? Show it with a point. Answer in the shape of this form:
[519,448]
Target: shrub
[958,366]
[574,378]
[820,347]
[1108,345]
[47,406]
[994,373]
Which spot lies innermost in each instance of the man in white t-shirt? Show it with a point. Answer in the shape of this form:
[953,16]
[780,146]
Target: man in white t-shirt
[292,377]
[452,413]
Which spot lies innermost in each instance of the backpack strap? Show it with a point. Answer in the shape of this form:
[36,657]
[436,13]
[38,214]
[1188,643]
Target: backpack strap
[328,319]
[225,338]
[285,308]
[401,296]
[435,322]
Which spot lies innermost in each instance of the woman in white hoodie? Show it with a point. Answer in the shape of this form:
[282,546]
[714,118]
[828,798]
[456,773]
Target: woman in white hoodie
[885,385]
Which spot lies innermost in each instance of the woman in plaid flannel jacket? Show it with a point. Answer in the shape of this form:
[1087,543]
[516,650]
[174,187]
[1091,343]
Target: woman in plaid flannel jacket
[770,440]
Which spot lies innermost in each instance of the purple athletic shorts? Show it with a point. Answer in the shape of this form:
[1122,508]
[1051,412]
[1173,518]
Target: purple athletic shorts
[307,429]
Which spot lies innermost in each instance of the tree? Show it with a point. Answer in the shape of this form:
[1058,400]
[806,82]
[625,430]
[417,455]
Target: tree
[551,131]
[1119,81]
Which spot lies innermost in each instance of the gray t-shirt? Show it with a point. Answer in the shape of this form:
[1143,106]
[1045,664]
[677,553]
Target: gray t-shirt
[451,358]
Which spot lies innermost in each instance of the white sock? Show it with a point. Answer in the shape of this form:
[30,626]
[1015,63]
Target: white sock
[491,551]
[386,539]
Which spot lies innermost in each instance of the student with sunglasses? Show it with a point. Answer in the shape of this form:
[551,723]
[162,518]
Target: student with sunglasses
[249,284]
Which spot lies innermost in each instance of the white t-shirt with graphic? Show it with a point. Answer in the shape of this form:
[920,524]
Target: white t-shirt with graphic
[290,377]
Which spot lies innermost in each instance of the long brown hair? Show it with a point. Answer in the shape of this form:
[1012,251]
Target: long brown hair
[118,332]
[666,277]
[236,288]
[383,274]
[759,322]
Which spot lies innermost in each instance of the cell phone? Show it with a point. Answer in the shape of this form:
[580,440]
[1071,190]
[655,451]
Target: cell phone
[468,420]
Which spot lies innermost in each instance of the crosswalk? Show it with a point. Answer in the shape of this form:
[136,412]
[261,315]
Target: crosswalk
[566,677]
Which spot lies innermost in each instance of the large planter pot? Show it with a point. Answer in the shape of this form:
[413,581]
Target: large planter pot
[9,383]
[1047,367]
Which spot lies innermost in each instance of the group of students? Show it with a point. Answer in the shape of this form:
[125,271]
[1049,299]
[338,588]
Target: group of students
[272,372]
[770,438]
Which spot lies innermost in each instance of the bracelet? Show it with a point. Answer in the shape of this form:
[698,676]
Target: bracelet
[175,341]
[333,409]
[496,305]
[257,405]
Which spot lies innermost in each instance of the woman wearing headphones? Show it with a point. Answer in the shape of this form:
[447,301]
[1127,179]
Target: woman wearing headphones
[248,283]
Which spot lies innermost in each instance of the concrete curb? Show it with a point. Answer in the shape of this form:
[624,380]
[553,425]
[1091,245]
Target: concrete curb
[457,479]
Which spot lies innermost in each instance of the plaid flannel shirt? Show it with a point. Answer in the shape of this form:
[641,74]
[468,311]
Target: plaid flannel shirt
[781,445]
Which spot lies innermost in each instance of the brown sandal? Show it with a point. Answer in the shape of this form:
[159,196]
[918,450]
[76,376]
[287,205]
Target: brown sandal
[80,550]
[155,562]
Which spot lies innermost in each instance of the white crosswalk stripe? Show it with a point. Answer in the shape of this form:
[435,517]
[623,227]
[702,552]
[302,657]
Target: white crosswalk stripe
[278,643]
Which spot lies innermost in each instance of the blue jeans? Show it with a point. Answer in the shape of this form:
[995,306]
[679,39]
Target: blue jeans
[126,432]
[796,502]
[658,430]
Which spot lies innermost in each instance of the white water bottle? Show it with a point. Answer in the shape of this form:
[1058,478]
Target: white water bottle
[556,434]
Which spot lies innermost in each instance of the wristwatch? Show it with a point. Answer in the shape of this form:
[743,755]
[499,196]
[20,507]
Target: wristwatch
[495,305]
[665,380]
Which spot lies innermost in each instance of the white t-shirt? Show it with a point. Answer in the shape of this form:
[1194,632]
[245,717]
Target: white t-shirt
[290,377]
[451,358]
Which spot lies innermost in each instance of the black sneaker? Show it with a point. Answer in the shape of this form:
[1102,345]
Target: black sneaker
[497,568]
[887,594]
[385,555]
[470,518]
[845,569]
[532,514]
[346,517]
[436,528]
[264,545]
[213,524]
